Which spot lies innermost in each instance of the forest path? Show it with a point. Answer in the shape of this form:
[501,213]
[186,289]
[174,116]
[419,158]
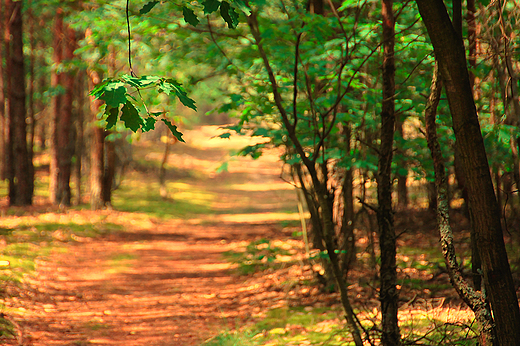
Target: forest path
[162,281]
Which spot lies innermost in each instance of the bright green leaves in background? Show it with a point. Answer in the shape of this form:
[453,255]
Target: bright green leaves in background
[115,94]
[131,108]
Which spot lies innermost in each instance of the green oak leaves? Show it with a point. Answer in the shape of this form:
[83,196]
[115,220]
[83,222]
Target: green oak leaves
[227,11]
[120,105]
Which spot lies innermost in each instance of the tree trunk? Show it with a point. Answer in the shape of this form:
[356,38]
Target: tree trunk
[3,114]
[402,178]
[347,222]
[475,300]
[109,172]
[30,101]
[321,189]
[485,213]
[22,186]
[387,239]
[64,127]
[57,102]
[97,157]
[163,190]
[78,152]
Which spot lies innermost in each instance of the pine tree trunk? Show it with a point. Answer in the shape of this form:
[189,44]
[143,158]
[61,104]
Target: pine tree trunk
[22,184]
[57,102]
[65,143]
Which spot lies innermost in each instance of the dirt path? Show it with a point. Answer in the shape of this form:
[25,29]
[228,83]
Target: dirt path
[161,282]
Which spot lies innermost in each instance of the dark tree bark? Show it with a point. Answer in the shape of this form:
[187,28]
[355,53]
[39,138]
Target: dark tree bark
[22,185]
[347,222]
[108,172]
[485,213]
[388,295]
[402,187]
[475,300]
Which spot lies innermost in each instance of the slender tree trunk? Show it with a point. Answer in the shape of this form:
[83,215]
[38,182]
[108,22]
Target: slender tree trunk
[97,157]
[475,300]
[3,113]
[450,53]
[163,190]
[22,184]
[387,239]
[402,178]
[57,102]
[80,116]
[321,189]
[347,222]
[109,172]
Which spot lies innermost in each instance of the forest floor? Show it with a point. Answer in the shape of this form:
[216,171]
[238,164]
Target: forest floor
[157,272]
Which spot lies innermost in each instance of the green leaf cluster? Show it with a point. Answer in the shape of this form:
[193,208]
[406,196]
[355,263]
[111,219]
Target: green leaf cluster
[120,105]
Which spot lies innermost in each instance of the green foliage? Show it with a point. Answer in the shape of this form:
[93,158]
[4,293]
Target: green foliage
[115,93]
[189,16]
[148,7]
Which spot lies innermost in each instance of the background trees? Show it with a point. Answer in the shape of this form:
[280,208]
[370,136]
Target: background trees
[312,78]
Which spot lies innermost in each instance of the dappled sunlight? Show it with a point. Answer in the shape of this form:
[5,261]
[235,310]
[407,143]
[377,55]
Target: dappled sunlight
[256,217]
[262,187]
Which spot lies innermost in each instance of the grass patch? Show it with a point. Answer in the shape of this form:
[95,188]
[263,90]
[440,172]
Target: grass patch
[289,326]
[119,262]
[143,197]
[431,331]
[258,256]
[323,326]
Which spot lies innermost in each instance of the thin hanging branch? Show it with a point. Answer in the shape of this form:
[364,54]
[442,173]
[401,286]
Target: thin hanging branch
[129,38]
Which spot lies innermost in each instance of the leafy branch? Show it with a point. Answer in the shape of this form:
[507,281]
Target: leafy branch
[119,105]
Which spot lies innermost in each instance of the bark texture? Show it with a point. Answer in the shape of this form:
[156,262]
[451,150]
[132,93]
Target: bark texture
[485,212]
[388,295]
[475,300]
[21,185]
